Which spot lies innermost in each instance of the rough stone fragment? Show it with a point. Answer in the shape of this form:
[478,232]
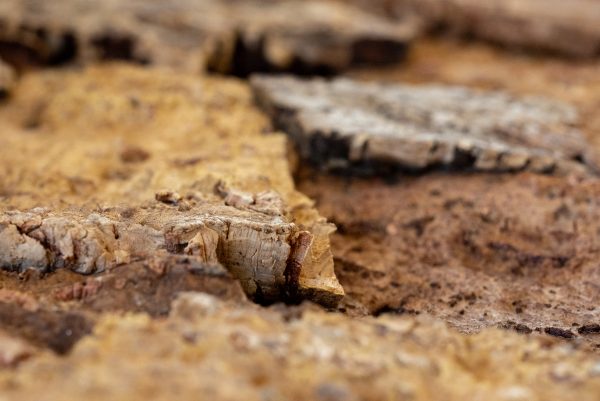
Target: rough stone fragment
[191,35]
[208,347]
[372,127]
[71,200]
[569,28]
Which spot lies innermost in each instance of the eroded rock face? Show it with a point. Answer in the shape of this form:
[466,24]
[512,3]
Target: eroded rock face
[206,345]
[567,28]
[380,127]
[234,37]
[116,164]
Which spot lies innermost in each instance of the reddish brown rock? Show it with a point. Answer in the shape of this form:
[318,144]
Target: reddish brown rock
[514,251]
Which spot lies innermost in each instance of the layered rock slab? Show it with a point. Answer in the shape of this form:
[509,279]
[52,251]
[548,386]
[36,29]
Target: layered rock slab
[209,347]
[115,164]
[377,128]
[226,36]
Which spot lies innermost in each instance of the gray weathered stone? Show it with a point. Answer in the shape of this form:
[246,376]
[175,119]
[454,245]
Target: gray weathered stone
[342,123]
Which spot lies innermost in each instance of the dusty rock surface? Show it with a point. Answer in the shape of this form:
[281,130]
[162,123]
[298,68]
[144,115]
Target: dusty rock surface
[208,347]
[516,251]
[476,250]
[124,163]
[225,36]
[374,127]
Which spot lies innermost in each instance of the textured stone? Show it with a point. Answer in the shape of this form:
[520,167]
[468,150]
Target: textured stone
[513,251]
[210,348]
[476,250]
[378,127]
[569,28]
[116,164]
[147,285]
[191,35]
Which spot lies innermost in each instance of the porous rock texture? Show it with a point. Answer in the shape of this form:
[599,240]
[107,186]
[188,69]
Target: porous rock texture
[476,250]
[377,127]
[117,164]
[517,251]
[226,36]
[208,347]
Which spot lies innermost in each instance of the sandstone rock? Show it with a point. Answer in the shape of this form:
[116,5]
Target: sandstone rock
[379,127]
[235,37]
[208,347]
[116,164]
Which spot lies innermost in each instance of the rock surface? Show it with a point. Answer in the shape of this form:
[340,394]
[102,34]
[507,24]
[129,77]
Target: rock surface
[116,164]
[373,127]
[565,28]
[477,250]
[191,35]
[210,348]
